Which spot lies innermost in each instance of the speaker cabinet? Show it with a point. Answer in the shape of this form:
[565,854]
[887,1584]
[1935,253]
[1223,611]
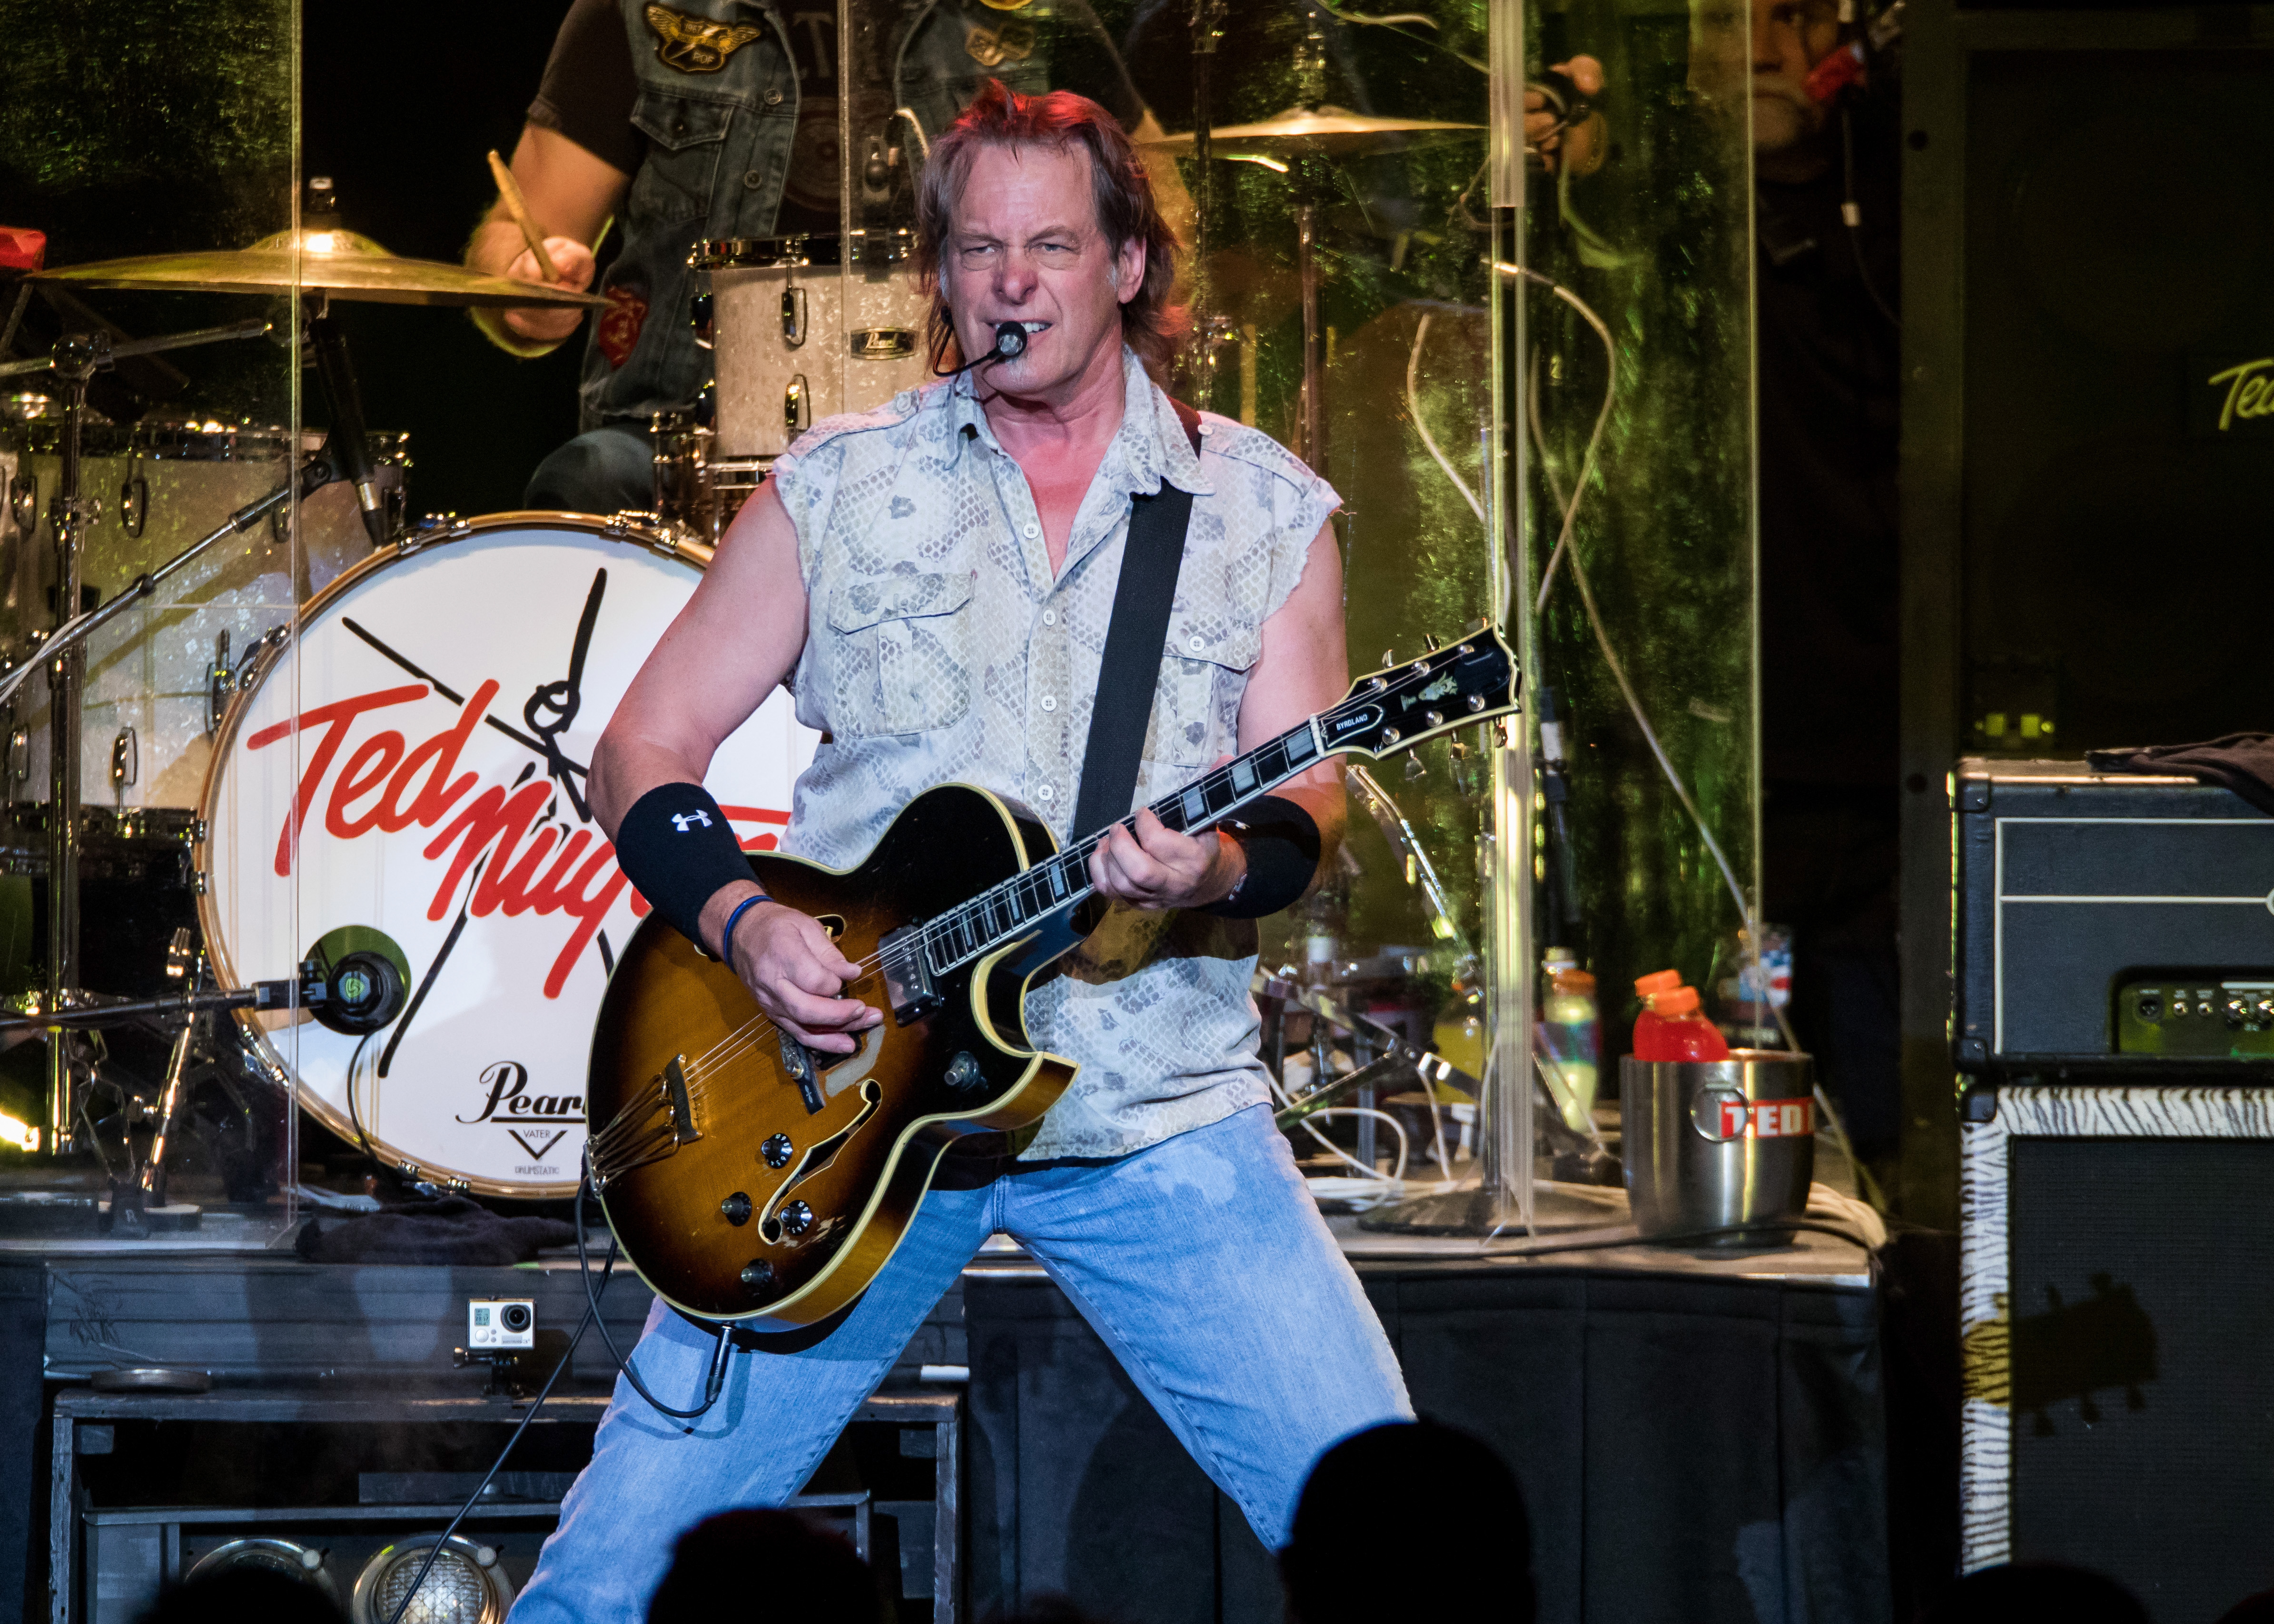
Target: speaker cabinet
[2119,1395]
[2087,438]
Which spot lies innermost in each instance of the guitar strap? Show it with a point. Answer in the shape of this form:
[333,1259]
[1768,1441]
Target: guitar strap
[1130,670]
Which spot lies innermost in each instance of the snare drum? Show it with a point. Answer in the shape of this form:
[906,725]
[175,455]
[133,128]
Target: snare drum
[157,679]
[406,777]
[805,327]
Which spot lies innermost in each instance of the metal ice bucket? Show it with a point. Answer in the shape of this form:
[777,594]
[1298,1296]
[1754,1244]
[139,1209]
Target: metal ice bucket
[1714,1144]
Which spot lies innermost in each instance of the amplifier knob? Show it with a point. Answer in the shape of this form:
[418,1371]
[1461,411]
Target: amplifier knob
[776,1150]
[736,1209]
[758,1276]
[797,1218]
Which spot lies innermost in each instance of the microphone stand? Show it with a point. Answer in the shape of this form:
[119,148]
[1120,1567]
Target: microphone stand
[347,443]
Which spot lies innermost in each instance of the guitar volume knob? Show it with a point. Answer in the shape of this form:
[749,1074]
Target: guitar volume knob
[796,1218]
[736,1209]
[776,1150]
[758,1276]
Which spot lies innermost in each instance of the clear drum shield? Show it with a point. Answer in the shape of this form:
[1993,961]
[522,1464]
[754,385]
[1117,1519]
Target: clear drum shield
[123,133]
[1629,429]
[1325,175]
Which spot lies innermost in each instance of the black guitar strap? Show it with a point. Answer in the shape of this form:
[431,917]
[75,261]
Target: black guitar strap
[1135,639]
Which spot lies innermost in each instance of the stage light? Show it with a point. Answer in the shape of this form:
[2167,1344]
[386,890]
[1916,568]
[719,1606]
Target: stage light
[22,1135]
[466,1585]
[305,1563]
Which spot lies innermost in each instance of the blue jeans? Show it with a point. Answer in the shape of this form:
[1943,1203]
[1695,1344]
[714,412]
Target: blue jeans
[603,470]
[1201,1261]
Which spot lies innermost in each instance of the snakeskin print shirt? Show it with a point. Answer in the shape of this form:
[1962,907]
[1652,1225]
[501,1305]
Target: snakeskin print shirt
[940,649]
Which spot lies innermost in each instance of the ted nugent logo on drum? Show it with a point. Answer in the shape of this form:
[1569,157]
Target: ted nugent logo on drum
[506,836]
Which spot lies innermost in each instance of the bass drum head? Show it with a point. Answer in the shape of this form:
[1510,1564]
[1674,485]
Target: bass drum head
[409,771]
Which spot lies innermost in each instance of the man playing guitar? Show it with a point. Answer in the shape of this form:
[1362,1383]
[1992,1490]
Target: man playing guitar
[935,579]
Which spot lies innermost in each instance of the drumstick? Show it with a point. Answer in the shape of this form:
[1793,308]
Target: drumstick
[511,190]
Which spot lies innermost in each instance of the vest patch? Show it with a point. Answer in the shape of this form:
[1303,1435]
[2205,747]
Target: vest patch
[620,324]
[695,44]
[991,47]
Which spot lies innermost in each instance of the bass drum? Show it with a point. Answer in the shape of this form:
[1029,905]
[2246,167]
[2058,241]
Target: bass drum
[406,777]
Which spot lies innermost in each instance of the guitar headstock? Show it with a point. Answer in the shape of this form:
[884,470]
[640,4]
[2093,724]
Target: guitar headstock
[1471,679]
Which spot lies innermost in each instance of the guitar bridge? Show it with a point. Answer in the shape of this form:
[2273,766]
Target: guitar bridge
[907,976]
[652,1125]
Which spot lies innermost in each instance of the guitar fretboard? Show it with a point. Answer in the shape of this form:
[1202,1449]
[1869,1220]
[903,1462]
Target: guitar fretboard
[1011,908]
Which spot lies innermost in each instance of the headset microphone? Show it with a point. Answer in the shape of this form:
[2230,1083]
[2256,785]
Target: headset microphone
[1010,344]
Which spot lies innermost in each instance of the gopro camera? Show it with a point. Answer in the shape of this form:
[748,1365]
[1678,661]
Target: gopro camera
[501,1322]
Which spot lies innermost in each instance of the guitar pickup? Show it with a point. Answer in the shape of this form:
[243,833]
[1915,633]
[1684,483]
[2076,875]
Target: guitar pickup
[797,1060]
[907,976]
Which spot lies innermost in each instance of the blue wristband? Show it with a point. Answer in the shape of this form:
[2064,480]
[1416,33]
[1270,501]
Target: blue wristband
[727,937]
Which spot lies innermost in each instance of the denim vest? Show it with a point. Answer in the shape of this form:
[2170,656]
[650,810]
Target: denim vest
[719,151]
[719,144]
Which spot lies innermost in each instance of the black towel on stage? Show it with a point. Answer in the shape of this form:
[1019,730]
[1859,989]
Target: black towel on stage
[448,1229]
[2243,762]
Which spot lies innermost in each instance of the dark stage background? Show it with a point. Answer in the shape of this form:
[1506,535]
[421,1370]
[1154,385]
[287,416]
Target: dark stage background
[399,103]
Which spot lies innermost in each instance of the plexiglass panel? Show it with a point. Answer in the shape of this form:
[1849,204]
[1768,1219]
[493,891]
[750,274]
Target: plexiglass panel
[132,131]
[1328,170]
[1642,647]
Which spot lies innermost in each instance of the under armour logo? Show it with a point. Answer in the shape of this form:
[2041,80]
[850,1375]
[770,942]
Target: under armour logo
[685,820]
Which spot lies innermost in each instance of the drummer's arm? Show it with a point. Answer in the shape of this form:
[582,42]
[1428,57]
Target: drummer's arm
[571,193]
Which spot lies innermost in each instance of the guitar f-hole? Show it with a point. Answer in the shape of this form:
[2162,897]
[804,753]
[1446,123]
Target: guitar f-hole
[788,1219]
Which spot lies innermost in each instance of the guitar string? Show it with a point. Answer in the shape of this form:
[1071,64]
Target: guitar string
[731,1048]
[699,1073]
[934,930]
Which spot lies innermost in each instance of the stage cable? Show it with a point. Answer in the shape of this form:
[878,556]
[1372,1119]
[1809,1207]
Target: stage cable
[592,1317]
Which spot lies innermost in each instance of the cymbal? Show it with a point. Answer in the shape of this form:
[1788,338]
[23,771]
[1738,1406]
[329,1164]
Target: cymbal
[1327,131]
[341,264]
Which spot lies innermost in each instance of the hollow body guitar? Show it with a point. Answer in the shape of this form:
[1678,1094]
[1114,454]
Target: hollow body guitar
[750,1178]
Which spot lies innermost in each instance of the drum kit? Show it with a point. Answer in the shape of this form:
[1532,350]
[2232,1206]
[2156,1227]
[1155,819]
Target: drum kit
[346,840]
[356,751]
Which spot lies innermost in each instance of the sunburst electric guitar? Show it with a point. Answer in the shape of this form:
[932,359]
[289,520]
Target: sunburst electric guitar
[749,1177]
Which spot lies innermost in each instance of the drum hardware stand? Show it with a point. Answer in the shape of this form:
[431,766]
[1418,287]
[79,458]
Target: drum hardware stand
[66,1008]
[74,362]
[348,443]
[1210,331]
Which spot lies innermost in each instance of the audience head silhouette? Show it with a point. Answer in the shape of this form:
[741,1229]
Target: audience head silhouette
[721,1563]
[234,1595]
[2039,1590]
[1411,1486]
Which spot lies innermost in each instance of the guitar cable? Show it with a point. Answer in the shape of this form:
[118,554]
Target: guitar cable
[714,1384]
[592,1317]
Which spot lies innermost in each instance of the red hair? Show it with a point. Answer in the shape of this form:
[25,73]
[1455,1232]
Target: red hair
[1119,186]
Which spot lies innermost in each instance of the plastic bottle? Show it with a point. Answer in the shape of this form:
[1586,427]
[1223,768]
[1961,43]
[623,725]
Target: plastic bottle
[1671,1026]
[1749,992]
[1570,1036]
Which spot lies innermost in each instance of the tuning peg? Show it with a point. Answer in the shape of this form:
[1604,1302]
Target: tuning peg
[1429,644]
[1389,656]
[1459,748]
[1414,768]
[1479,624]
